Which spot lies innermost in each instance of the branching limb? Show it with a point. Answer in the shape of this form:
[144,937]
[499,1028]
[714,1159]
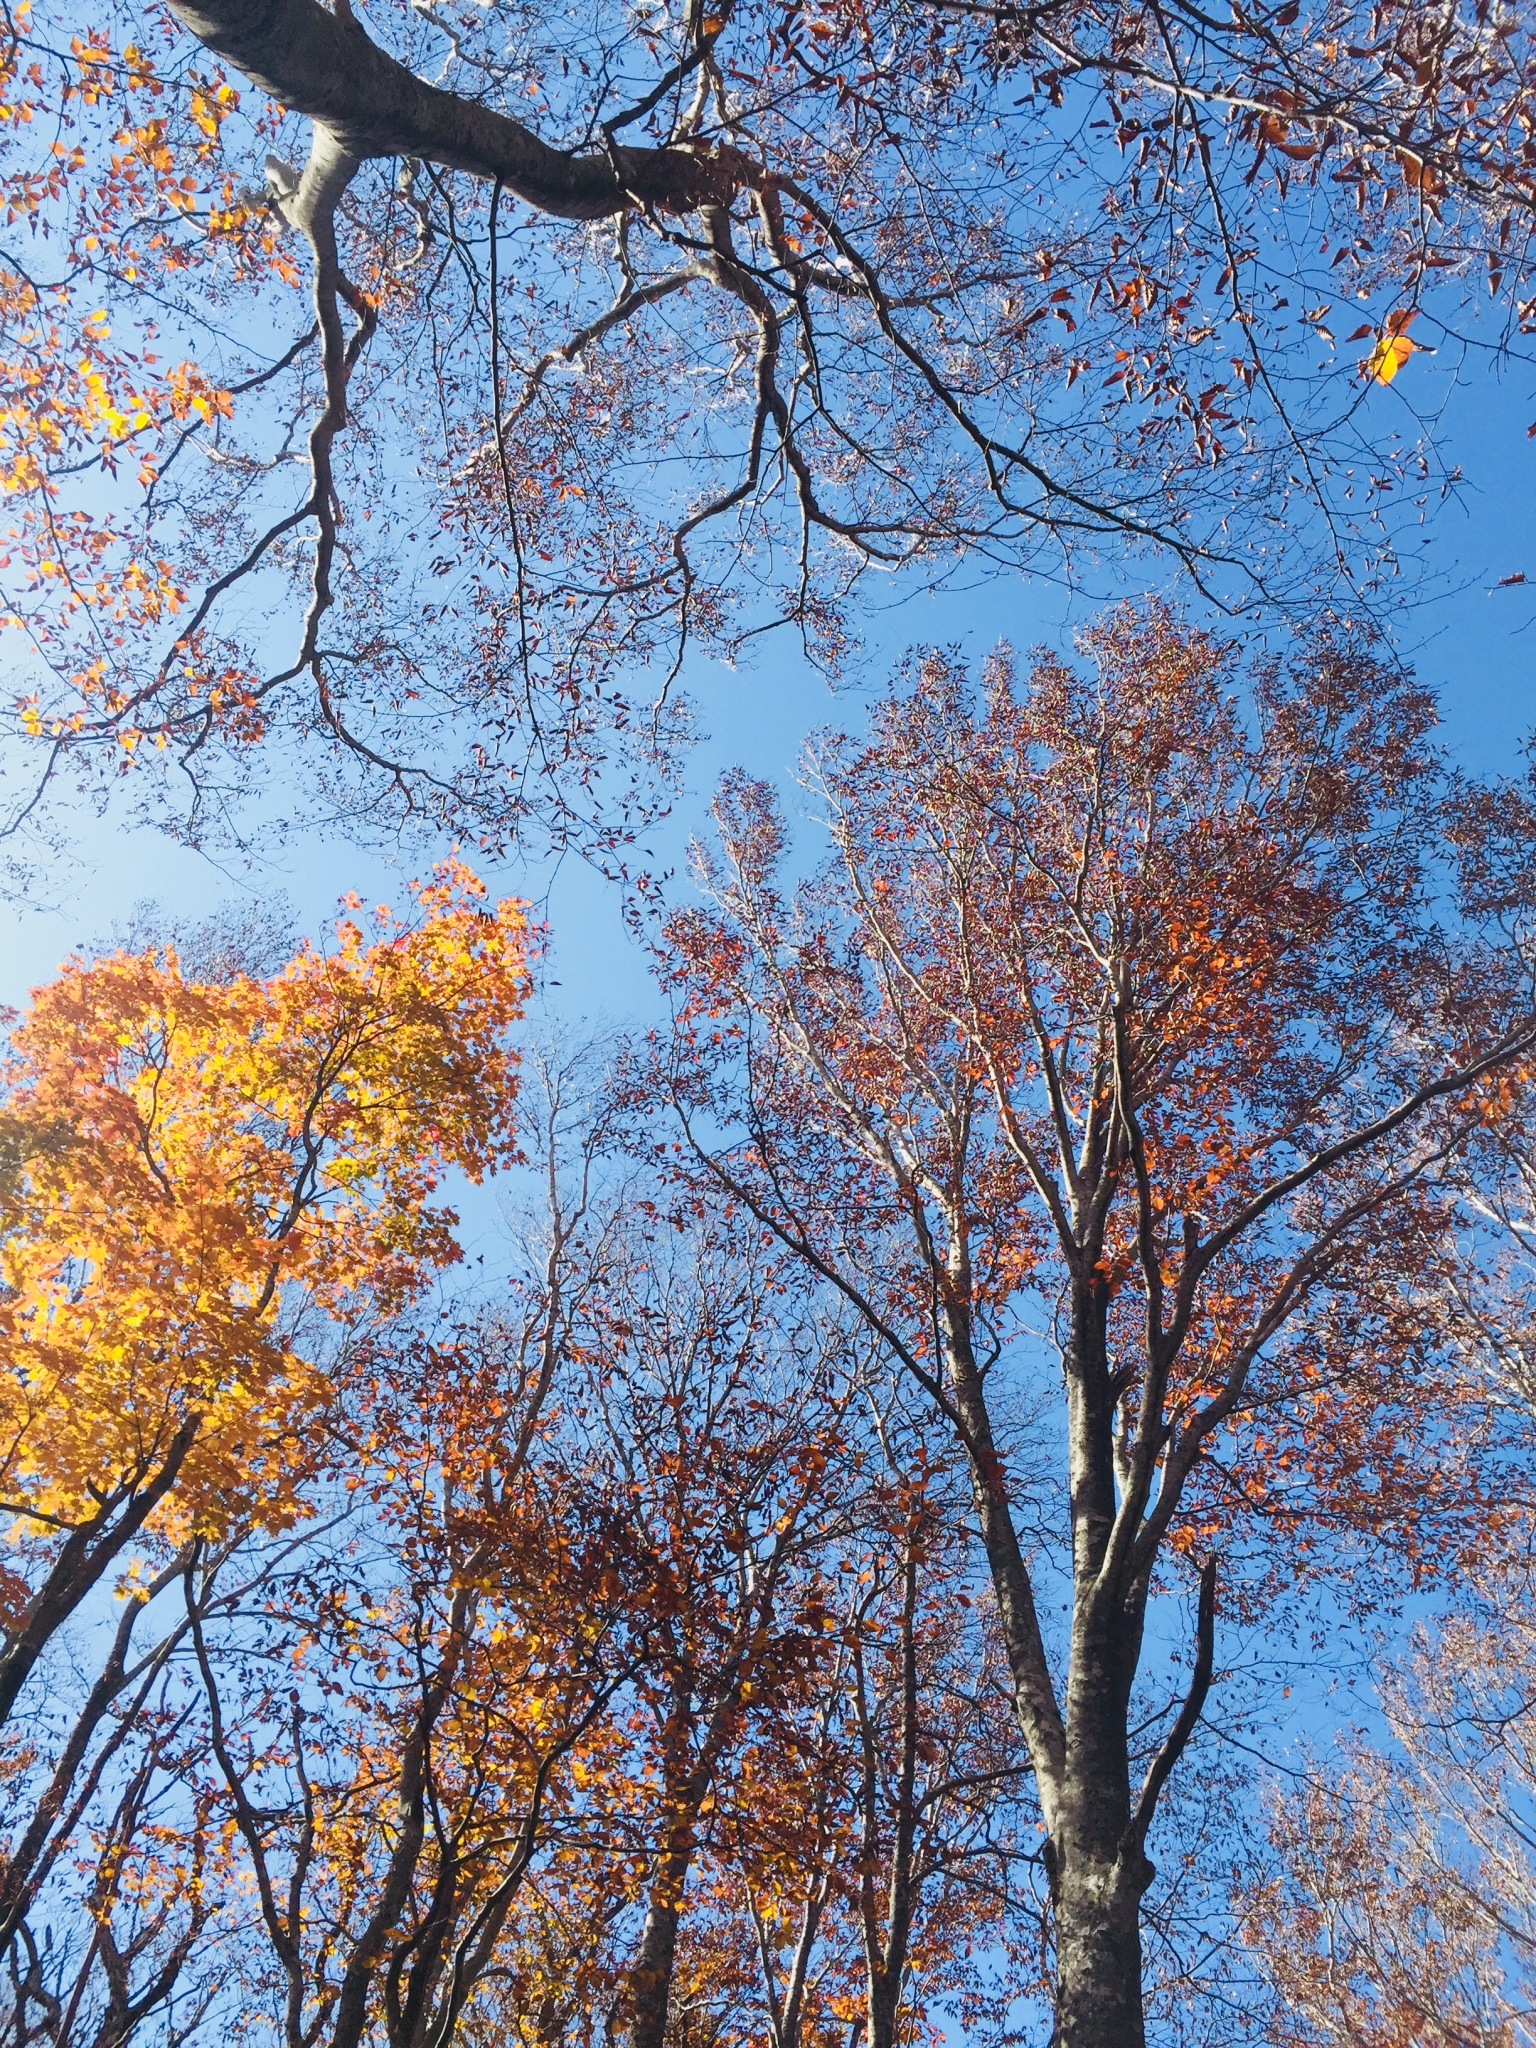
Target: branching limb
[1177,1741]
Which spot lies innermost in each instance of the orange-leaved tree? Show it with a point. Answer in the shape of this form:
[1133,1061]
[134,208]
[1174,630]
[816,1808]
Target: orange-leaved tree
[200,1179]
[882,1823]
[1123,1011]
[805,1798]
[397,1727]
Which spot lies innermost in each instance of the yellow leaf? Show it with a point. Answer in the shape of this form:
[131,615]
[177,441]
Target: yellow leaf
[1388,357]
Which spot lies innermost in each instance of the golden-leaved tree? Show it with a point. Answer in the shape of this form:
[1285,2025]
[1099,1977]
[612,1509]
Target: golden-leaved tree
[201,1180]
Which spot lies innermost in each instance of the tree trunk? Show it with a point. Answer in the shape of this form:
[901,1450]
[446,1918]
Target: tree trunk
[1098,1869]
[884,2001]
[649,1990]
[886,1954]
[1098,1948]
[648,1981]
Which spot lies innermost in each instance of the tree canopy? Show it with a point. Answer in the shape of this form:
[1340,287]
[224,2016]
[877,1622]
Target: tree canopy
[549,344]
[1082,1220]
[1117,1012]
[1079,1215]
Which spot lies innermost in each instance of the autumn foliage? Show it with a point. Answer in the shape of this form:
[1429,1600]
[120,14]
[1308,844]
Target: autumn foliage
[192,1171]
[958,279]
[1121,1011]
[1079,1219]
[466,1672]
[190,1162]
[773,1598]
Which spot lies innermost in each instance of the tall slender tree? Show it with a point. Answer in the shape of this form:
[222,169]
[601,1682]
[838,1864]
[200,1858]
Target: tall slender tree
[1121,1009]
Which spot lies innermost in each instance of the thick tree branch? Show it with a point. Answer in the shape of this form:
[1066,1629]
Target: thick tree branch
[326,66]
